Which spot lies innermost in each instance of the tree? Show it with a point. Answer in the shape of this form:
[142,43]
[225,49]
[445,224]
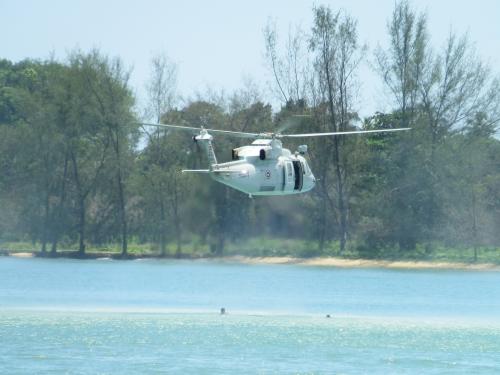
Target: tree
[161,90]
[37,156]
[337,56]
[403,64]
[107,81]
[161,87]
[162,186]
[435,94]
[97,132]
[290,71]
[473,181]
[394,200]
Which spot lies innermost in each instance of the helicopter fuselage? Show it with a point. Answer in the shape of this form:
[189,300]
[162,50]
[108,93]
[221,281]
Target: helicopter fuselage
[265,168]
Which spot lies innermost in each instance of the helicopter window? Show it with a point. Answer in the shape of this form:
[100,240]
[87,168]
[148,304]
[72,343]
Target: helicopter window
[305,168]
[234,154]
[262,154]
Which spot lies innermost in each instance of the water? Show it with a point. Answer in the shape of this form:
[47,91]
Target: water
[135,317]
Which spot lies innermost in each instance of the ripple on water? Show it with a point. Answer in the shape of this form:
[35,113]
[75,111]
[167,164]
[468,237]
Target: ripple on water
[36,342]
[110,317]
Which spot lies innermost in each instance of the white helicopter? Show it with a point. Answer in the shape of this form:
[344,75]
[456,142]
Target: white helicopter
[264,167]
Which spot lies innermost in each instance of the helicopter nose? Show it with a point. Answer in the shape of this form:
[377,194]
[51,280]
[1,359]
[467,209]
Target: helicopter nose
[311,183]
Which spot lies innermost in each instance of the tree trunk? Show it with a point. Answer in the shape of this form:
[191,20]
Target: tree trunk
[81,226]
[338,169]
[340,199]
[46,222]
[177,221]
[221,240]
[163,220]
[322,218]
[81,206]
[474,224]
[178,236]
[123,216]
[59,209]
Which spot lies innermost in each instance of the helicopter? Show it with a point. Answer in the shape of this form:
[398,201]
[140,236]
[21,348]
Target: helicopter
[263,168]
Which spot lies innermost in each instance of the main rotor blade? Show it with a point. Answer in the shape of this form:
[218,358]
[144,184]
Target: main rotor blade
[289,122]
[341,133]
[191,128]
[170,126]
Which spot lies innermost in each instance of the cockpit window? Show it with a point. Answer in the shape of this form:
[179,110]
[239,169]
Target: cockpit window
[305,168]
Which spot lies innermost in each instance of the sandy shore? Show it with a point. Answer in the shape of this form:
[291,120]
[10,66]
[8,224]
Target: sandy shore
[321,262]
[363,263]
[22,255]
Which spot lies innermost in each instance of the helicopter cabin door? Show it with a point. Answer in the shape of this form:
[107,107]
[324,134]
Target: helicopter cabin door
[288,176]
[299,175]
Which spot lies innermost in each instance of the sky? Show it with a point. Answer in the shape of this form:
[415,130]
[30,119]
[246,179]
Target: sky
[219,43]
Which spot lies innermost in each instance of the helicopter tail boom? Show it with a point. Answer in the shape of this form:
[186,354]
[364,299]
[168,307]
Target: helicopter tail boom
[196,171]
[205,140]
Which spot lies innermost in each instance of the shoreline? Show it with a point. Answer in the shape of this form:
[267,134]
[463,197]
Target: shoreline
[284,260]
[366,263]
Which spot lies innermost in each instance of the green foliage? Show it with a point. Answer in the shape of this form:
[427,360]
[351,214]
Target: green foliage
[78,173]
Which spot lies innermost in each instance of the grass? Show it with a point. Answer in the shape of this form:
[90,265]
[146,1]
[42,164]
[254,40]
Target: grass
[274,247]
[466,255]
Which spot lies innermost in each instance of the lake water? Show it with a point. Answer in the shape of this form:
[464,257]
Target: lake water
[146,317]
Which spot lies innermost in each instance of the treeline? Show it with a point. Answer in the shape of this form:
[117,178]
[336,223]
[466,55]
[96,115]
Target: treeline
[77,168]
